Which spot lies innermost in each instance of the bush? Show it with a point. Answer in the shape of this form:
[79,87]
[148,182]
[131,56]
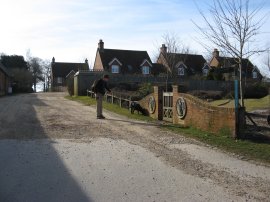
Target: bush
[215,95]
[258,90]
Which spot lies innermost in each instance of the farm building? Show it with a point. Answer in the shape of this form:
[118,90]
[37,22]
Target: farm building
[5,80]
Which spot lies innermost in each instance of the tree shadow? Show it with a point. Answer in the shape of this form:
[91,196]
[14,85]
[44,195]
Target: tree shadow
[31,168]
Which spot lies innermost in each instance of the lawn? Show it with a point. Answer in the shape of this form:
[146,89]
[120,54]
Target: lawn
[111,107]
[245,148]
[251,104]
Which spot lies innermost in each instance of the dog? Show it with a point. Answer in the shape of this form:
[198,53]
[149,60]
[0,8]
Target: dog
[268,119]
[134,106]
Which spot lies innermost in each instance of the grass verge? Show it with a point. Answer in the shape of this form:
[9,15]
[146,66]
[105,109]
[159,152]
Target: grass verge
[245,148]
[111,107]
[251,104]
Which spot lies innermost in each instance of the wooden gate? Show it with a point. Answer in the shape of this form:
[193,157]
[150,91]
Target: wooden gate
[168,106]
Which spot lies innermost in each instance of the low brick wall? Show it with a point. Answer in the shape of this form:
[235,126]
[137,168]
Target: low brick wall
[202,115]
[199,114]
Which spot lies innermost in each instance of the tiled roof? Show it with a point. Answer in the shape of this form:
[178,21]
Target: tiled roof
[130,59]
[4,69]
[194,63]
[62,69]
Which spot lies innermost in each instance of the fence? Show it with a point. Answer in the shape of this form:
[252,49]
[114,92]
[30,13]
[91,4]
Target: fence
[122,101]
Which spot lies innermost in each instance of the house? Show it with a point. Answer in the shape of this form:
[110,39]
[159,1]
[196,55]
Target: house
[5,80]
[60,71]
[228,66]
[117,61]
[182,64]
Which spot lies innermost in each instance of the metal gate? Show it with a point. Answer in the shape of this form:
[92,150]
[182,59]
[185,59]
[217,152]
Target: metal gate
[168,106]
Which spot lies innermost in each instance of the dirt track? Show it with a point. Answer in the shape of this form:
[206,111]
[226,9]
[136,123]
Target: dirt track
[194,172]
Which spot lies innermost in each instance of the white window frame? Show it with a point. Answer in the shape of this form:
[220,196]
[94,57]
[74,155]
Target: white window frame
[181,71]
[205,71]
[115,69]
[145,70]
[254,75]
[59,80]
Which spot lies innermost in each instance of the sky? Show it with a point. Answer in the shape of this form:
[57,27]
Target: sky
[69,30]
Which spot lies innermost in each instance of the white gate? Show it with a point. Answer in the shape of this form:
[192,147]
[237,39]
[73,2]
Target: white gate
[168,106]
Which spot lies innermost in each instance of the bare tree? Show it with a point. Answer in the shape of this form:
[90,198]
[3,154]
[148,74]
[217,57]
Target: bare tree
[46,68]
[171,52]
[35,65]
[233,26]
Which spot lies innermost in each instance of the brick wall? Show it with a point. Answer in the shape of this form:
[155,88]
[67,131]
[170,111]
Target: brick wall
[158,100]
[202,115]
[199,114]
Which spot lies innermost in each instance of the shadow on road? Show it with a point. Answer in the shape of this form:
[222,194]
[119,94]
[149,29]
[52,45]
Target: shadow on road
[31,169]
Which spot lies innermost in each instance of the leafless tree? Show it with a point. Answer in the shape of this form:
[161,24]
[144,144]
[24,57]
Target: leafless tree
[46,68]
[172,51]
[233,26]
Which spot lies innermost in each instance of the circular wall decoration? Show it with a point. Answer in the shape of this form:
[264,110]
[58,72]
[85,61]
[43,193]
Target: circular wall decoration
[181,108]
[152,105]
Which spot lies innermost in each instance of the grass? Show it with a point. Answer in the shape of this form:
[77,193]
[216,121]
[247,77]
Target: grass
[248,149]
[251,104]
[223,141]
[111,107]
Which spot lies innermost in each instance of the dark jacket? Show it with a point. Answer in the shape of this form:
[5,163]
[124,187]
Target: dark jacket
[102,86]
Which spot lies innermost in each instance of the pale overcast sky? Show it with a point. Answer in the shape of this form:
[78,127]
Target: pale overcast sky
[69,30]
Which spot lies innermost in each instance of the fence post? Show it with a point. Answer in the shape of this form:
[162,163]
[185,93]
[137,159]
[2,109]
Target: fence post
[120,101]
[236,103]
[112,98]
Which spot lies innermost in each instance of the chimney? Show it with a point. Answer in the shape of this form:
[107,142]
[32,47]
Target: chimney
[86,61]
[53,60]
[163,49]
[216,53]
[101,45]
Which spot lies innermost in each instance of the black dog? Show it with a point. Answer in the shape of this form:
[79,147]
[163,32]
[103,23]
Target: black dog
[268,119]
[134,106]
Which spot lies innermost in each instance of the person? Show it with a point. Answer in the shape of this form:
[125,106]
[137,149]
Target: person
[100,90]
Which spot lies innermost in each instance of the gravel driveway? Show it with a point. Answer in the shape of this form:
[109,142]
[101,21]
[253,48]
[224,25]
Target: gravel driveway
[53,149]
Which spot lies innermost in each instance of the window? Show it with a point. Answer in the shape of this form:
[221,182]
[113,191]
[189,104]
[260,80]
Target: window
[205,72]
[115,69]
[145,70]
[181,71]
[254,75]
[59,80]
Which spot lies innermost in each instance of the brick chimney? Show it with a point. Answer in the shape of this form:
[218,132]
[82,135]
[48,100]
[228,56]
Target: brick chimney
[163,49]
[86,61]
[216,53]
[101,45]
[53,60]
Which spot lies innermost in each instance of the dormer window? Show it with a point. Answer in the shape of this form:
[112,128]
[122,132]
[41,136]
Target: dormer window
[115,69]
[145,70]
[181,69]
[254,75]
[205,70]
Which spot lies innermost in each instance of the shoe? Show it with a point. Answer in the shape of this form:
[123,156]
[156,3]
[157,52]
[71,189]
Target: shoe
[101,117]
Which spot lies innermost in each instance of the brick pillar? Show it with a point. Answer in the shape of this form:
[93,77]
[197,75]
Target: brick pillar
[158,95]
[175,98]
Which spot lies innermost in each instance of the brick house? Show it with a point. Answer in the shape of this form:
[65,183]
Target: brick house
[117,61]
[228,66]
[5,80]
[182,65]
[60,70]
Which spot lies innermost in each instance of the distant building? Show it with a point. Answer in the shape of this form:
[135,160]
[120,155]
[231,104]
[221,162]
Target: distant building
[5,80]
[229,67]
[182,64]
[117,61]
[60,70]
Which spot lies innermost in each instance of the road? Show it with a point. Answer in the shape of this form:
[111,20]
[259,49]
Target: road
[53,149]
